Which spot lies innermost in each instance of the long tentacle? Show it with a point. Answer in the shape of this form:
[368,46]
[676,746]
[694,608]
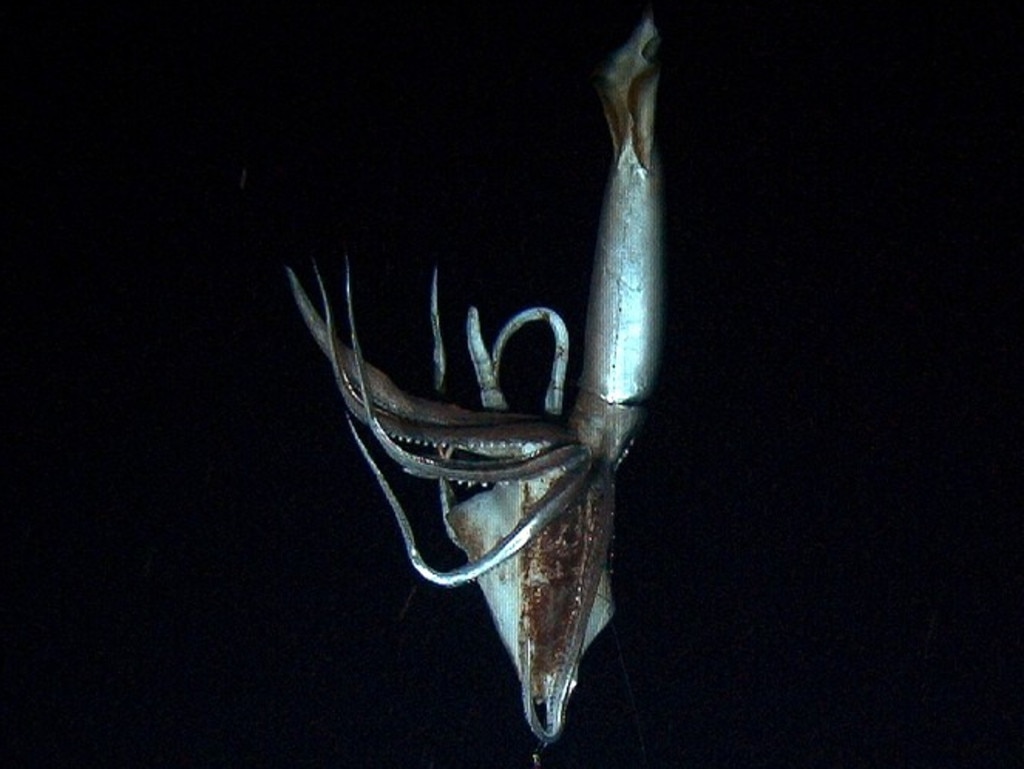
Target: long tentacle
[419,420]
[488,365]
[550,506]
[440,360]
[422,412]
[492,471]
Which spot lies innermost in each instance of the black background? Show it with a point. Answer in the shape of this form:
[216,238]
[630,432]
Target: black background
[818,550]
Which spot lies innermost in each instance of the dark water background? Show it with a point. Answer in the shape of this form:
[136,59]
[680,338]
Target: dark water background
[818,558]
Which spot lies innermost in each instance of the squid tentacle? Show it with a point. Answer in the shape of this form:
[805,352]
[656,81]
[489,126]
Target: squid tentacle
[553,504]
[488,366]
[513,469]
[419,420]
[440,360]
[397,404]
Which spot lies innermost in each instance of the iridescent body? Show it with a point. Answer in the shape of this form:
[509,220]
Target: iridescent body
[537,537]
